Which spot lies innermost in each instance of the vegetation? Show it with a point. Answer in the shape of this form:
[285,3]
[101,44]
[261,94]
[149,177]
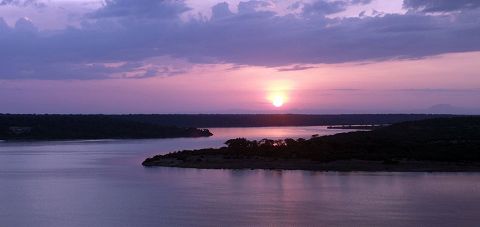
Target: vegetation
[263,120]
[358,127]
[64,127]
[442,140]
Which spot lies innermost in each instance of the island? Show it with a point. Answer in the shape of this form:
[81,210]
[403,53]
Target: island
[86,127]
[442,144]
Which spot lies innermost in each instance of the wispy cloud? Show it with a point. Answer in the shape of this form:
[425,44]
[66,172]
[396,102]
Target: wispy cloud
[296,68]
[23,3]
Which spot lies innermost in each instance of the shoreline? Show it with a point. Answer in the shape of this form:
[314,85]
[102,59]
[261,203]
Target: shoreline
[96,140]
[434,145]
[307,165]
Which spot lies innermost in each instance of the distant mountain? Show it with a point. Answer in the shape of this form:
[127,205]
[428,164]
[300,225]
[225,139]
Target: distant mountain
[449,109]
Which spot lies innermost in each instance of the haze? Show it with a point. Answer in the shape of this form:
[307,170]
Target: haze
[318,56]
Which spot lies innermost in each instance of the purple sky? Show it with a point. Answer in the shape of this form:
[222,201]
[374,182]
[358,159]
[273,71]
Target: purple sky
[209,56]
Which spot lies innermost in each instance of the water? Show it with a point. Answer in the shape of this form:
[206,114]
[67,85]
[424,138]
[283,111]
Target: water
[101,183]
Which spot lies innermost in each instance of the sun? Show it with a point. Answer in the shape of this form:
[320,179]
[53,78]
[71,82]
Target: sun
[278,101]
[278,93]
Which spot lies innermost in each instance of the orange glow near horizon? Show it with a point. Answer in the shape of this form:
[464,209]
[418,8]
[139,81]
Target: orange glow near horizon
[370,88]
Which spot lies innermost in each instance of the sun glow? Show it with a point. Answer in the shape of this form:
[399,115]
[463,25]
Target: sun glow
[278,100]
[278,92]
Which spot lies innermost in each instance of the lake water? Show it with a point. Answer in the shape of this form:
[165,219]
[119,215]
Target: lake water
[102,183]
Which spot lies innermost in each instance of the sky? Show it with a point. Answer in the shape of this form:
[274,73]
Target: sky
[257,56]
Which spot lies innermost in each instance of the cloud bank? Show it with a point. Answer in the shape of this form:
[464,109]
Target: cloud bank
[121,38]
[441,5]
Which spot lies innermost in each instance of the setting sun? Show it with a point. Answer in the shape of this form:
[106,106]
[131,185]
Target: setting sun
[278,101]
[278,92]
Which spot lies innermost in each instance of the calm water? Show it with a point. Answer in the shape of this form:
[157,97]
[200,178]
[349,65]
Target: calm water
[101,183]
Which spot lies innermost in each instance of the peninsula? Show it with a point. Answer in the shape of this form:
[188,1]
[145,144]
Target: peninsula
[443,144]
[73,127]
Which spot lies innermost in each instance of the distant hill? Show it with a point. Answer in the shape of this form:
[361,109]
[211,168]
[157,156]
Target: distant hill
[449,109]
[66,127]
[58,126]
[261,120]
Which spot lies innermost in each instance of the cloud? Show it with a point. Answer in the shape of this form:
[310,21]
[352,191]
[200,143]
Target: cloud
[323,7]
[251,6]
[221,10]
[22,3]
[3,26]
[440,90]
[135,31]
[25,25]
[441,5]
[162,9]
[296,68]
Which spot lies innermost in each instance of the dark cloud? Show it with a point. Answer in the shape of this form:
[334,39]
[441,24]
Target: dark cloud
[221,10]
[441,5]
[274,41]
[135,31]
[251,6]
[25,25]
[166,9]
[3,26]
[323,7]
[356,2]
